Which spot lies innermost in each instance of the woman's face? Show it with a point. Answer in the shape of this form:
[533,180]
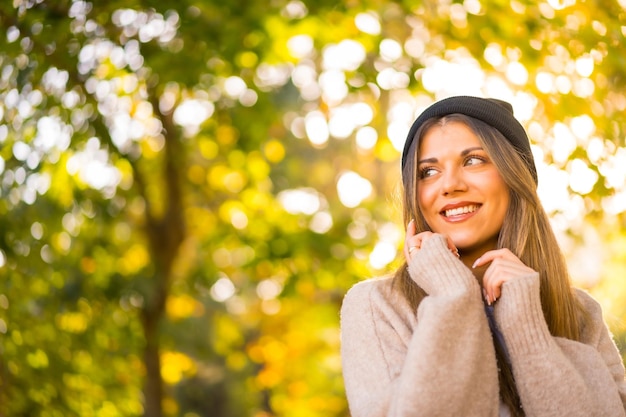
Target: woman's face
[460,192]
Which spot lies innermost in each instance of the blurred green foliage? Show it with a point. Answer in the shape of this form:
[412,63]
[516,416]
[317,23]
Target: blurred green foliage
[174,235]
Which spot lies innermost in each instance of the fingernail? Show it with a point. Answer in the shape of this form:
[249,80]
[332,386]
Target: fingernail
[476,262]
[485,296]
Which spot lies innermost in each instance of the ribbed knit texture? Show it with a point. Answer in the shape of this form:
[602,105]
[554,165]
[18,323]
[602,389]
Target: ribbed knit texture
[440,360]
[435,258]
[520,302]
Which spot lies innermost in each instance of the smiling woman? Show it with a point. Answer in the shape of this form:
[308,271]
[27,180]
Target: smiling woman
[481,319]
[461,193]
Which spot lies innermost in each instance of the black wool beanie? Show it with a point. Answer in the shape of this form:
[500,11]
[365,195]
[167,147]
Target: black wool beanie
[494,112]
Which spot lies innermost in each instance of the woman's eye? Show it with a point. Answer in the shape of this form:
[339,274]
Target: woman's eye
[474,160]
[427,172]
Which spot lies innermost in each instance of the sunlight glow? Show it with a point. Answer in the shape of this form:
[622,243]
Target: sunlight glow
[147,25]
[347,55]
[234,86]
[353,189]
[366,138]
[55,81]
[517,73]
[389,79]
[223,289]
[304,76]
[238,219]
[493,55]
[544,82]
[383,254]
[615,204]
[52,134]
[401,114]
[460,75]
[552,188]
[301,200]
[390,50]
[582,178]
[563,84]
[92,167]
[357,231]
[584,65]
[345,119]
[334,88]
[415,47]
[300,46]
[614,169]
[271,76]
[397,131]
[321,222]
[561,4]
[584,87]
[563,144]
[192,113]
[368,22]
[595,150]
[385,250]
[583,127]
[316,128]
[341,125]
[269,288]
[295,9]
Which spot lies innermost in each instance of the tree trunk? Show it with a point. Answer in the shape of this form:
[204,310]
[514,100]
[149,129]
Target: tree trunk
[153,383]
[165,236]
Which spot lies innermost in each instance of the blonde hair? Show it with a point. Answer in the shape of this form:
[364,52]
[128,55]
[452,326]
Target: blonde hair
[526,232]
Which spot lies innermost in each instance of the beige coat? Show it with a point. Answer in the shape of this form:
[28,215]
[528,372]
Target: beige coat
[440,360]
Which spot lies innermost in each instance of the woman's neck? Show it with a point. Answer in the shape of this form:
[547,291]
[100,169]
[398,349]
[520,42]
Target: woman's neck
[469,258]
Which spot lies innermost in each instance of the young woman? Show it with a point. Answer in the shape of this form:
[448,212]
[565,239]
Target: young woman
[481,319]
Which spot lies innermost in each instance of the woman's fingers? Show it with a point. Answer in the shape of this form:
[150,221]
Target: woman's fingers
[413,242]
[504,266]
[452,247]
[410,236]
[411,229]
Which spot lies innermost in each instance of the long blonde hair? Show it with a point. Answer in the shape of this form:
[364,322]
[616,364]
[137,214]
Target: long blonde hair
[526,232]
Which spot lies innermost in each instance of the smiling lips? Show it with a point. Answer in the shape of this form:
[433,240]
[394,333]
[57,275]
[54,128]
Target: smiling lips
[458,211]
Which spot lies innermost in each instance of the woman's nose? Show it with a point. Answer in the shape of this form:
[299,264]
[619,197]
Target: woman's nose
[452,181]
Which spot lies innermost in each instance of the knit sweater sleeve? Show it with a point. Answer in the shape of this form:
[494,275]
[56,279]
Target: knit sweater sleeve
[557,376]
[436,361]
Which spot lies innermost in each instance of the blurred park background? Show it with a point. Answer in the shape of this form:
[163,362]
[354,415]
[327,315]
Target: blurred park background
[189,187]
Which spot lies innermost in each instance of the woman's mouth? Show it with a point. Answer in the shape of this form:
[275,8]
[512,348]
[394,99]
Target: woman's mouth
[457,211]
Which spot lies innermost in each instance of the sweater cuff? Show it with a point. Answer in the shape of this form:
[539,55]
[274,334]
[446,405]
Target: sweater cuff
[520,317]
[438,271]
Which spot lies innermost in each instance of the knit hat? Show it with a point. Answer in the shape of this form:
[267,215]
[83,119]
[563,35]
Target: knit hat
[494,112]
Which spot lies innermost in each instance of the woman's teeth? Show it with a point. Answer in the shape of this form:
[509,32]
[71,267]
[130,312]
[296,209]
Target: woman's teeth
[460,210]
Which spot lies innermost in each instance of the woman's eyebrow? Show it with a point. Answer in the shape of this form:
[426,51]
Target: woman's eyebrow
[470,150]
[427,161]
[464,152]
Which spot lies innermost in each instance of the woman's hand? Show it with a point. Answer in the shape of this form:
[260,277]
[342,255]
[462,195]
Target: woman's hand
[413,242]
[504,266]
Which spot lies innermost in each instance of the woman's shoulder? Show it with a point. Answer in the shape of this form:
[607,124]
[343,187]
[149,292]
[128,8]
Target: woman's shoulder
[591,306]
[379,291]
[370,287]
[372,284]
[592,317]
